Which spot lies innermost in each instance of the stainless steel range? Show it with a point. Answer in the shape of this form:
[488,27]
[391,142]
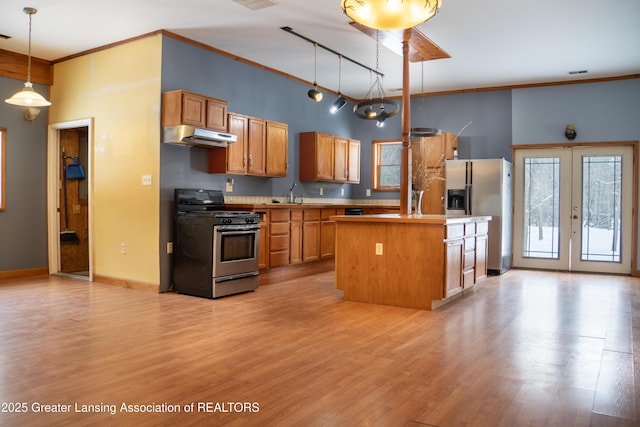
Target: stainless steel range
[215,251]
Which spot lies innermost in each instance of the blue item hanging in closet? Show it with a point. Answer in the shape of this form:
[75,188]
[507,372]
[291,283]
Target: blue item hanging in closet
[75,170]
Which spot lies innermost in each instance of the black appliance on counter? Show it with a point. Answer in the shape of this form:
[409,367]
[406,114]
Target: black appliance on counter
[215,251]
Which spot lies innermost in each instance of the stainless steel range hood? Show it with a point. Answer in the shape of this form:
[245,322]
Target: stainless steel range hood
[193,136]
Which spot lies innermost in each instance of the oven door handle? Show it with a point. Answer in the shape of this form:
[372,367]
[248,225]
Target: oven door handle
[237,229]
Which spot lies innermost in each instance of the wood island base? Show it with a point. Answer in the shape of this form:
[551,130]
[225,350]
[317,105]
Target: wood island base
[415,261]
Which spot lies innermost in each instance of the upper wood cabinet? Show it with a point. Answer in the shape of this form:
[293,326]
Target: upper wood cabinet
[180,107]
[260,150]
[325,157]
[277,163]
[429,155]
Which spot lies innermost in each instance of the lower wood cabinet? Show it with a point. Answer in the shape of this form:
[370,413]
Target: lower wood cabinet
[311,235]
[295,242]
[279,237]
[453,266]
[327,233]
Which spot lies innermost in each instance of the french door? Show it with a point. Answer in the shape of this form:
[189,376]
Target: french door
[573,209]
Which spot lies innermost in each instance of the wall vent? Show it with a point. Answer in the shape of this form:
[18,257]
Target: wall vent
[573,73]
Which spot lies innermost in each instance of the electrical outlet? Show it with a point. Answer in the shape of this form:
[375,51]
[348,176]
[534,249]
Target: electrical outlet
[342,191]
[368,192]
[123,248]
[146,180]
[321,191]
[229,186]
[379,249]
[169,247]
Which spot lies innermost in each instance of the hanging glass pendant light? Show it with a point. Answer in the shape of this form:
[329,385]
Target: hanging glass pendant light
[28,97]
[390,14]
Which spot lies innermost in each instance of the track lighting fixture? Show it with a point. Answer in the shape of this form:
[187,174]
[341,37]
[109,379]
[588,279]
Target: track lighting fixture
[341,101]
[28,97]
[314,93]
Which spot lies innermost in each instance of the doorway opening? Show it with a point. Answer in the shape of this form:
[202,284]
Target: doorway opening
[69,206]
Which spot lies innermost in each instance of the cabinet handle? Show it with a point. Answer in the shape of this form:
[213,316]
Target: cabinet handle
[244,161]
[250,160]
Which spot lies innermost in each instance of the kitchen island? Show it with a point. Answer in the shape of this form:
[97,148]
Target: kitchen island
[416,261]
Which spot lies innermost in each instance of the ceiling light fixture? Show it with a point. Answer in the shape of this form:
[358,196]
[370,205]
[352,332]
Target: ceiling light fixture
[422,132]
[314,93]
[28,97]
[374,108]
[390,14]
[341,101]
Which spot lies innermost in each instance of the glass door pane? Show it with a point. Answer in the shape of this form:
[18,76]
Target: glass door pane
[601,182]
[541,214]
[601,209]
[541,230]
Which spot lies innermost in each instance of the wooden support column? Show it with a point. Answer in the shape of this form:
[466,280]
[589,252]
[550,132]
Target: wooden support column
[405,165]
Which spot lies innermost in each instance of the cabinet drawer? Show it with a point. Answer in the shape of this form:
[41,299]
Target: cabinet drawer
[279,229]
[312,214]
[470,229]
[468,279]
[277,259]
[482,228]
[280,215]
[469,243]
[327,213]
[455,230]
[278,243]
[296,215]
[468,260]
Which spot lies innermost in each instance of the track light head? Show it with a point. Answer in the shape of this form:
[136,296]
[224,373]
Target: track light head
[338,104]
[314,93]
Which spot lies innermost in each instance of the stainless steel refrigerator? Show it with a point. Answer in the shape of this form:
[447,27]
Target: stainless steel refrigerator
[483,187]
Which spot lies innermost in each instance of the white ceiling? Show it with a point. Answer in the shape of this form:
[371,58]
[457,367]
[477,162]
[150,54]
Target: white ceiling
[492,43]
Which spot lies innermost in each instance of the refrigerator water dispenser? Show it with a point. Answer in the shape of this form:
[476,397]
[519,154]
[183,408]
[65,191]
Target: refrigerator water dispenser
[455,199]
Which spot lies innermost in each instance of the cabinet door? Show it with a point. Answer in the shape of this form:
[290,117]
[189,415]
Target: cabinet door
[193,109]
[277,149]
[216,114]
[324,157]
[256,147]
[237,152]
[311,235]
[263,254]
[433,198]
[481,256]
[327,234]
[295,246]
[353,174]
[340,159]
[453,266]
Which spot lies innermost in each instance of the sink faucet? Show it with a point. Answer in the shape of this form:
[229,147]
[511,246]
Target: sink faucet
[291,198]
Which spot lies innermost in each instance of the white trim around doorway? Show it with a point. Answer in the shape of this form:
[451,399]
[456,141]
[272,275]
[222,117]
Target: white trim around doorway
[53,192]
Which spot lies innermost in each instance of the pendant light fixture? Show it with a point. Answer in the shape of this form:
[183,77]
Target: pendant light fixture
[341,101]
[28,97]
[314,93]
[390,14]
[423,132]
[378,109]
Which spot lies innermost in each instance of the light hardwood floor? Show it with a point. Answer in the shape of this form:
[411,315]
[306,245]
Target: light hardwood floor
[525,349]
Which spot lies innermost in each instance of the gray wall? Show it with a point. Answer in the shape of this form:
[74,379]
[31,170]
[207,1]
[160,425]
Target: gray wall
[23,224]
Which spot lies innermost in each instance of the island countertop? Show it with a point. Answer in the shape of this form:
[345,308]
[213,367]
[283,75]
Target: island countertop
[412,219]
